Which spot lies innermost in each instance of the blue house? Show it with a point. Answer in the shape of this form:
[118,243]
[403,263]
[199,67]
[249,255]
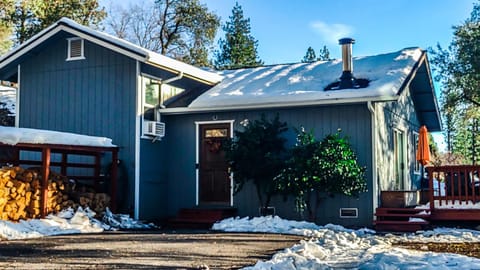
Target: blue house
[168,117]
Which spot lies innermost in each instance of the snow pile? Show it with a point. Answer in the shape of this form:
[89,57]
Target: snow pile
[66,222]
[125,222]
[13,135]
[336,247]
[7,99]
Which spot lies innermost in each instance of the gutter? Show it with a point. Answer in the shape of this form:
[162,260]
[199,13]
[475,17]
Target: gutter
[371,108]
[273,105]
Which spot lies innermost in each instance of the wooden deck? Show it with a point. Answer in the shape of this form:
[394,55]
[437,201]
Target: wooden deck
[453,195]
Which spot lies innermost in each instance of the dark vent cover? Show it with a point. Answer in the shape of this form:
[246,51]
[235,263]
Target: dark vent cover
[75,48]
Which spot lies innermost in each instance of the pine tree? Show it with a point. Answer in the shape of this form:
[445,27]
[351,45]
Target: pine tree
[239,48]
[309,56]
[458,69]
[324,54]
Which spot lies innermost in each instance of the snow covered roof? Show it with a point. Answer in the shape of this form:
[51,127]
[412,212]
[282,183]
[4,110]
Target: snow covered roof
[117,44]
[304,83]
[13,136]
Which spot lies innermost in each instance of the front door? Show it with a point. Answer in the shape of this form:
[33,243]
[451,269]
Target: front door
[214,185]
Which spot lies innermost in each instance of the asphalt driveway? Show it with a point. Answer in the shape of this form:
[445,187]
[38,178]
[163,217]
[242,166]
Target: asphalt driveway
[143,250]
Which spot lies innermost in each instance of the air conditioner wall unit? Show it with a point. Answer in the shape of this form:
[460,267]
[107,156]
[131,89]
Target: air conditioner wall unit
[153,128]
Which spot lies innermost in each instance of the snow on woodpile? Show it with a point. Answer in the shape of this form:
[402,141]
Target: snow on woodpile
[304,83]
[13,136]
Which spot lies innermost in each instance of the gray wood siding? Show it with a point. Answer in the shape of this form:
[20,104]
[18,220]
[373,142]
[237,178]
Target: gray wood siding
[95,96]
[389,116]
[354,120]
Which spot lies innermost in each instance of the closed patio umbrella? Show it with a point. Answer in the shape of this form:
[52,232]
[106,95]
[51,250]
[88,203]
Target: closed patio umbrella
[423,148]
[423,153]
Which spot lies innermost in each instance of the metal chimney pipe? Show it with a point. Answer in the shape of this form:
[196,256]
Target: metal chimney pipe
[347,80]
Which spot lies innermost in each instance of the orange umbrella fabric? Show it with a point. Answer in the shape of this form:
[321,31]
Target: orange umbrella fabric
[423,148]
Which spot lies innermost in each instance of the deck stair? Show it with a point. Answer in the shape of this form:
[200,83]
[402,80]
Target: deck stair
[401,219]
[199,218]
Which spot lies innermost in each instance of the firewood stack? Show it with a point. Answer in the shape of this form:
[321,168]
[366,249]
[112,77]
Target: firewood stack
[20,194]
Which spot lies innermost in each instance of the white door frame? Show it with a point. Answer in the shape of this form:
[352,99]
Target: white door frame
[197,155]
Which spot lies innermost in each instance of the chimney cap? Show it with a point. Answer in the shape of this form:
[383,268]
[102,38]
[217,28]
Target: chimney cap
[343,41]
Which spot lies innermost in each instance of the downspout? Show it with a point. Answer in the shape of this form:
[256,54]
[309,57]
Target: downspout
[371,108]
[169,80]
[17,98]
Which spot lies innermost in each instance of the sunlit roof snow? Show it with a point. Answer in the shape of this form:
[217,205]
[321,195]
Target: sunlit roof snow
[304,83]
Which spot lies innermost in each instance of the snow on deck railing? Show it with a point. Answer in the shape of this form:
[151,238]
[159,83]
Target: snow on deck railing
[453,185]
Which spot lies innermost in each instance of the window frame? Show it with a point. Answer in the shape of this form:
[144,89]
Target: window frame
[69,49]
[416,163]
[156,107]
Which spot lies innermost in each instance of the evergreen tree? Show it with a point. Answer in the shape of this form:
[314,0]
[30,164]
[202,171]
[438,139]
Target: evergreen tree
[256,154]
[309,56]
[239,48]
[458,69]
[324,54]
[317,169]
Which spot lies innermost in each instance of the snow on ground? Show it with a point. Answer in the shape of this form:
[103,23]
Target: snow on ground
[13,135]
[68,222]
[333,246]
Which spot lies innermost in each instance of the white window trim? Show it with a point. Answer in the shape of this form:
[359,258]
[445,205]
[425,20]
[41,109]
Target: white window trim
[197,156]
[404,182]
[69,57]
[415,149]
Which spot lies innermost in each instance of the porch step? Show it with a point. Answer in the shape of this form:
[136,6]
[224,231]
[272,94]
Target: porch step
[401,219]
[199,218]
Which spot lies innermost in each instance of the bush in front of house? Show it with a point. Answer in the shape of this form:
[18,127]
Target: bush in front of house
[257,154]
[317,169]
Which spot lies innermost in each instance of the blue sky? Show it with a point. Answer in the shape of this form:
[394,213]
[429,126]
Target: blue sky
[285,28]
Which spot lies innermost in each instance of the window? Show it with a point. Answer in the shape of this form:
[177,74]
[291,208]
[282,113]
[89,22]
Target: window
[399,159]
[416,166]
[154,95]
[75,49]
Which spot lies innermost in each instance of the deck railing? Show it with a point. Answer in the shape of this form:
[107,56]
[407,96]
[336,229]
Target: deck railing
[453,186]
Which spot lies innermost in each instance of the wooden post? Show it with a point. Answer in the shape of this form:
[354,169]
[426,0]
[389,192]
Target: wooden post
[431,189]
[113,179]
[97,171]
[45,174]
[63,168]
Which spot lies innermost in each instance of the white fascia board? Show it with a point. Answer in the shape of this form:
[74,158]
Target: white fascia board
[196,73]
[22,50]
[186,110]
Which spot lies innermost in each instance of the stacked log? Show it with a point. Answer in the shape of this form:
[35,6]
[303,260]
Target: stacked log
[21,194]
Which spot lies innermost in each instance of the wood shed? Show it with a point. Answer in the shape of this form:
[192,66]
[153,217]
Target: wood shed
[87,159]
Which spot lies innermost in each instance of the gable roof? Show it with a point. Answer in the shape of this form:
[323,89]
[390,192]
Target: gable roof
[119,45]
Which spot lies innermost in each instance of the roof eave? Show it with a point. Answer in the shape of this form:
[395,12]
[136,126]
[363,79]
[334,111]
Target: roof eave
[118,45]
[276,105]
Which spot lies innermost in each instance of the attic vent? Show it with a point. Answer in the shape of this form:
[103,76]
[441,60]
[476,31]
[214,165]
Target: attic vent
[75,49]
[347,80]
